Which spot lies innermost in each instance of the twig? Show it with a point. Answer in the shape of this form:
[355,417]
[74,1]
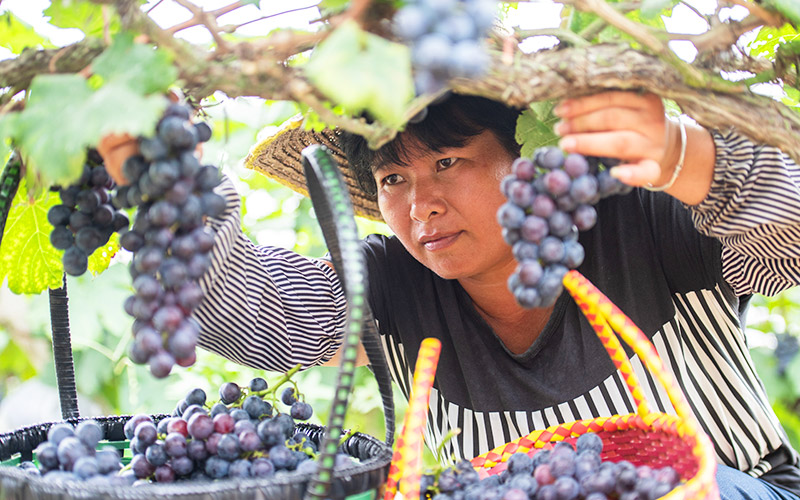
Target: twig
[643,35]
[51,66]
[209,21]
[198,15]
[230,28]
[133,18]
[725,34]
[696,12]
[154,6]
[562,34]
[106,22]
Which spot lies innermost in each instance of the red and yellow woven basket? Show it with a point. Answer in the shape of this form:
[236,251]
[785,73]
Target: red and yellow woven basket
[643,438]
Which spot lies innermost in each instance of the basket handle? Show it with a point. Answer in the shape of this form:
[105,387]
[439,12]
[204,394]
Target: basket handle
[607,319]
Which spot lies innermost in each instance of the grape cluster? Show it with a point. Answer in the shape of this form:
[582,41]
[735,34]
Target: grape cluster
[550,199]
[85,219]
[445,37]
[70,454]
[563,472]
[242,435]
[170,244]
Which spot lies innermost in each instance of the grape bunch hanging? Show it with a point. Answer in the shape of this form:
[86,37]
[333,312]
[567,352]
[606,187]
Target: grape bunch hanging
[173,194]
[551,198]
[445,37]
[85,219]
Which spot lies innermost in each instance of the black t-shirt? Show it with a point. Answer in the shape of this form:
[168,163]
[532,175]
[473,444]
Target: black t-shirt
[646,256]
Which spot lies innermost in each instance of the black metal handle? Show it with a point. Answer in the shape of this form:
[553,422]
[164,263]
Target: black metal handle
[334,211]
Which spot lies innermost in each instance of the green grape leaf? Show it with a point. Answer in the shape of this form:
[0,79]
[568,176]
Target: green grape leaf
[138,66]
[535,127]
[56,152]
[14,359]
[769,38]
[362,71]
[790,9]
[86,16]
[27,259]
[49,147]
[16,34]
[101,258]
[652,8]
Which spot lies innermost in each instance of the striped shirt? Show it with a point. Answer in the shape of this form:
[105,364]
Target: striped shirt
[683,275]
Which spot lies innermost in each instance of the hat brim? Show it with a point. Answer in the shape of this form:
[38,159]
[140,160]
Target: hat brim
[279,158]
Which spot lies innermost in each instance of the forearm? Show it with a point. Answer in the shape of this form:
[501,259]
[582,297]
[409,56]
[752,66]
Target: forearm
[753,208]
[267,307]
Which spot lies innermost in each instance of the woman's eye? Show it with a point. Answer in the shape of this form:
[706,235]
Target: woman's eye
[391,179]
[447,162]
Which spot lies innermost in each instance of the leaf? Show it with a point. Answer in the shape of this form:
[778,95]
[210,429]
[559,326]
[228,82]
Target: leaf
[57,152]
[27,259]
[534,132]
[16,34]
[652,8]
[790,9]
[140,67]
[362,71]
[769,38]
[15,361]
[101,258]
[84,15]
[54,150]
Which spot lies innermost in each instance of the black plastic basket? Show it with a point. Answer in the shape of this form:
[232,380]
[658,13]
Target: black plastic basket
[363,479]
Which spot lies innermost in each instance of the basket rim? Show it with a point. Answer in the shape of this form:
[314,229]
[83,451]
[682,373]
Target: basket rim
[380,458]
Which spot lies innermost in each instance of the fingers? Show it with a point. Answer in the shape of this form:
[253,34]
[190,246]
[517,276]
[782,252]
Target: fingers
[569,108]
[624,144]
[640,173]
[115,149]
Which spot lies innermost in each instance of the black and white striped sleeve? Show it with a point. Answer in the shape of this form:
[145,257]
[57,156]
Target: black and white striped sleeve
[753,208]
[266,307]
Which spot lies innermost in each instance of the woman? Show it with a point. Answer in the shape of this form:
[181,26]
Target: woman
[682,264]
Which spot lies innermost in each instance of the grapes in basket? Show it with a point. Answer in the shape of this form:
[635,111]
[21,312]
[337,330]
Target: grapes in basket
[563,472]
[249,431]
[551,198]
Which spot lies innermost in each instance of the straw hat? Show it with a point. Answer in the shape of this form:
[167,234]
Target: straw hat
[278,157]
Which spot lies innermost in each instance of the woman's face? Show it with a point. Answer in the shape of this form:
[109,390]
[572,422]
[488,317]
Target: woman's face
[442,206]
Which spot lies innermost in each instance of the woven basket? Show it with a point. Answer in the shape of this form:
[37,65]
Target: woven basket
[364,478]
[643,438]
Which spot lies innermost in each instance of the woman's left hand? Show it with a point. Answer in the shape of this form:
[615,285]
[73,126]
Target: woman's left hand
[629,126]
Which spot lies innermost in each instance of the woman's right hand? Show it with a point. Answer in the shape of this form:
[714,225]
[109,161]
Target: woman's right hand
[115,149]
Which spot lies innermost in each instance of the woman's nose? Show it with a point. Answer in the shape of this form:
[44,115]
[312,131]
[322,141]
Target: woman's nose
[427,200]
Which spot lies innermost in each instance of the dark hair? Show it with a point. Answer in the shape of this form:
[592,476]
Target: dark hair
[447,124]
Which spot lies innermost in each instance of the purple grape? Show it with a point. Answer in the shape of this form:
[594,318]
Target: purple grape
[584,188]
[549,157]
[47,454]
[585,217]
[589,442]
[543,206]
[258,384]
[262,467]
[229,392]
[557,183]
[288,396]
[200,426]
[164,474]
[524,169]
[552,250]
[240,468]
[146,433]
[58,432]
[559,224]
[301,410]
[524,250]
[527,296]
[534,229]
[161,364]
[175,444]
[567,488]
[155,454]
[576,165]
[228,447]
[510,216]
[530,272]
[249,441]
[521,193]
